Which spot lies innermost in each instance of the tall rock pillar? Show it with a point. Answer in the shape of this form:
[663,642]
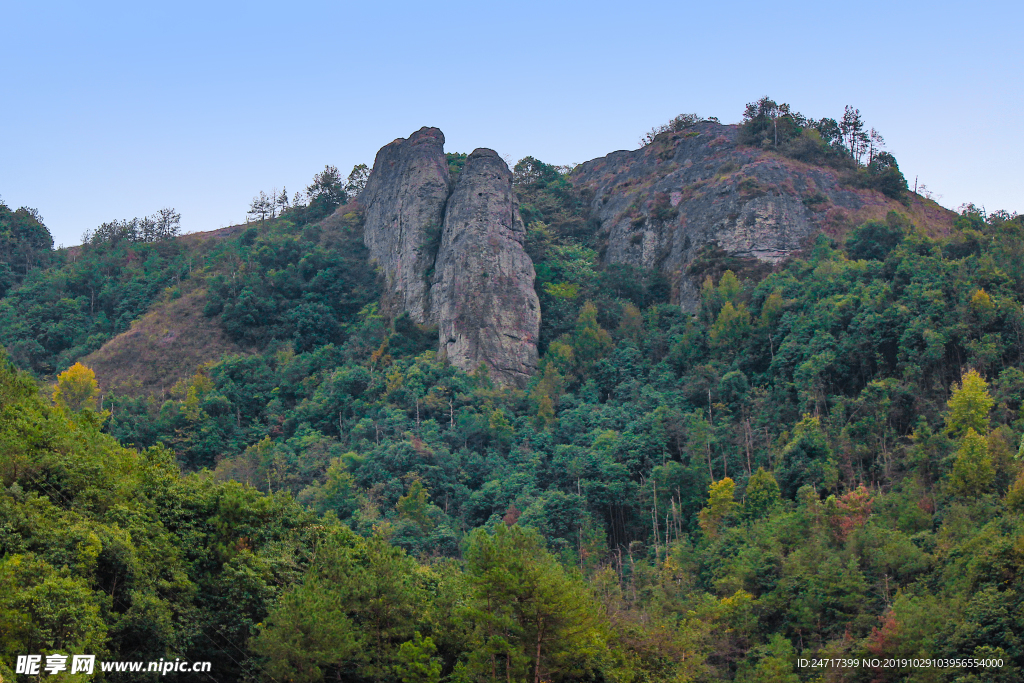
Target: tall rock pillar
[483,299]
[404,202]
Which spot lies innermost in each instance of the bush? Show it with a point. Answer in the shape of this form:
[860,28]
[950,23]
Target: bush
[886,177]
[875,239]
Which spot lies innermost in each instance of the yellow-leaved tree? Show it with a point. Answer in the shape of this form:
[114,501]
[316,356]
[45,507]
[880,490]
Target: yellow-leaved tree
[969,405]
[721,505]
[77,389]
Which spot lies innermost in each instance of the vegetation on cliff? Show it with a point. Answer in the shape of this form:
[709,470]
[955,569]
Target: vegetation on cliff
[845,143]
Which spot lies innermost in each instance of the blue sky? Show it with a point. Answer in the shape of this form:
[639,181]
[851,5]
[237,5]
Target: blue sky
[114,110]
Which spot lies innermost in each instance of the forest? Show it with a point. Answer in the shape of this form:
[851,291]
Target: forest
[824,461]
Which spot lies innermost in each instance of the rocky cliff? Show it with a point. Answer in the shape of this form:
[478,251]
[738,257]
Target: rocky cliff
[404,202]
[484,302]
[454,257]
[660,206]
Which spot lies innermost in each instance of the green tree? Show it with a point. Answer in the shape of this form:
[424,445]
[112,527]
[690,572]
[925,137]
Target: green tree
[356,604]
[45,610]
[500,428]
[25,243]
[776,664]
[973,472]
[768,124]
[533,620]
[326,193]
[886,176]
[551,385]
[807,459]
[414,505]
[854,136]
[338,492]
[730,287]
[590,341]
[761,495]
[875,239]
[416,662]
[772,309]
[310,631]
[357,179]
[731,326]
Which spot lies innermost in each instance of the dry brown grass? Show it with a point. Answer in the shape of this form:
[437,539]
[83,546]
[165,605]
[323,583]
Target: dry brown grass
[170,342]
[926,215]
[218,234]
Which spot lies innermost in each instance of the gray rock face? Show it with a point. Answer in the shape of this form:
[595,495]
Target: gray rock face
[484,302]
[404,202]
[661,205]
[478,286]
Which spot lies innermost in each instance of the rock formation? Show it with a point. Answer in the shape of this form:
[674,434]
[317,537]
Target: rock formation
[403,202]
[454,258]
[661,205]
[484,302]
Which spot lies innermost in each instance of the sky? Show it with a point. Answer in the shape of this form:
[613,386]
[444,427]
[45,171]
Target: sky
[115,110]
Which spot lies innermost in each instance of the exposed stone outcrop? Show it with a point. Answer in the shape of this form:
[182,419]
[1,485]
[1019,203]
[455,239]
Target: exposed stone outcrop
[453,256]
[478,286]
[661,205]
[403,202]
[484,302]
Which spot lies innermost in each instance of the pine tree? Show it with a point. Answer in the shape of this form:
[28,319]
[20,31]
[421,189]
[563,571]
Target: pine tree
[852,128]
[533,620]
[357,179]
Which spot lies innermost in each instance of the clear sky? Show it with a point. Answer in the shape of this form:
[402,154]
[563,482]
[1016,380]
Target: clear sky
[114,110]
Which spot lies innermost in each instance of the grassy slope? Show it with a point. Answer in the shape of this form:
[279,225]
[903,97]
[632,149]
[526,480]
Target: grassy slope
[927,215]
[170,342]
[174,338]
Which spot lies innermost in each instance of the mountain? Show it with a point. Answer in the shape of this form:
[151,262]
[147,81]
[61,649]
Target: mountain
[452,255]
[317,449]
[456,240]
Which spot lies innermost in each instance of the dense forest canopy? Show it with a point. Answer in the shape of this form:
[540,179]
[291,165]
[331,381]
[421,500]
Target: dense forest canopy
[823,461]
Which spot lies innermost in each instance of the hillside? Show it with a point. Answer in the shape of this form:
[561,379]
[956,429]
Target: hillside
[171,341]
[699,198]
[812,450]
[695,200]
